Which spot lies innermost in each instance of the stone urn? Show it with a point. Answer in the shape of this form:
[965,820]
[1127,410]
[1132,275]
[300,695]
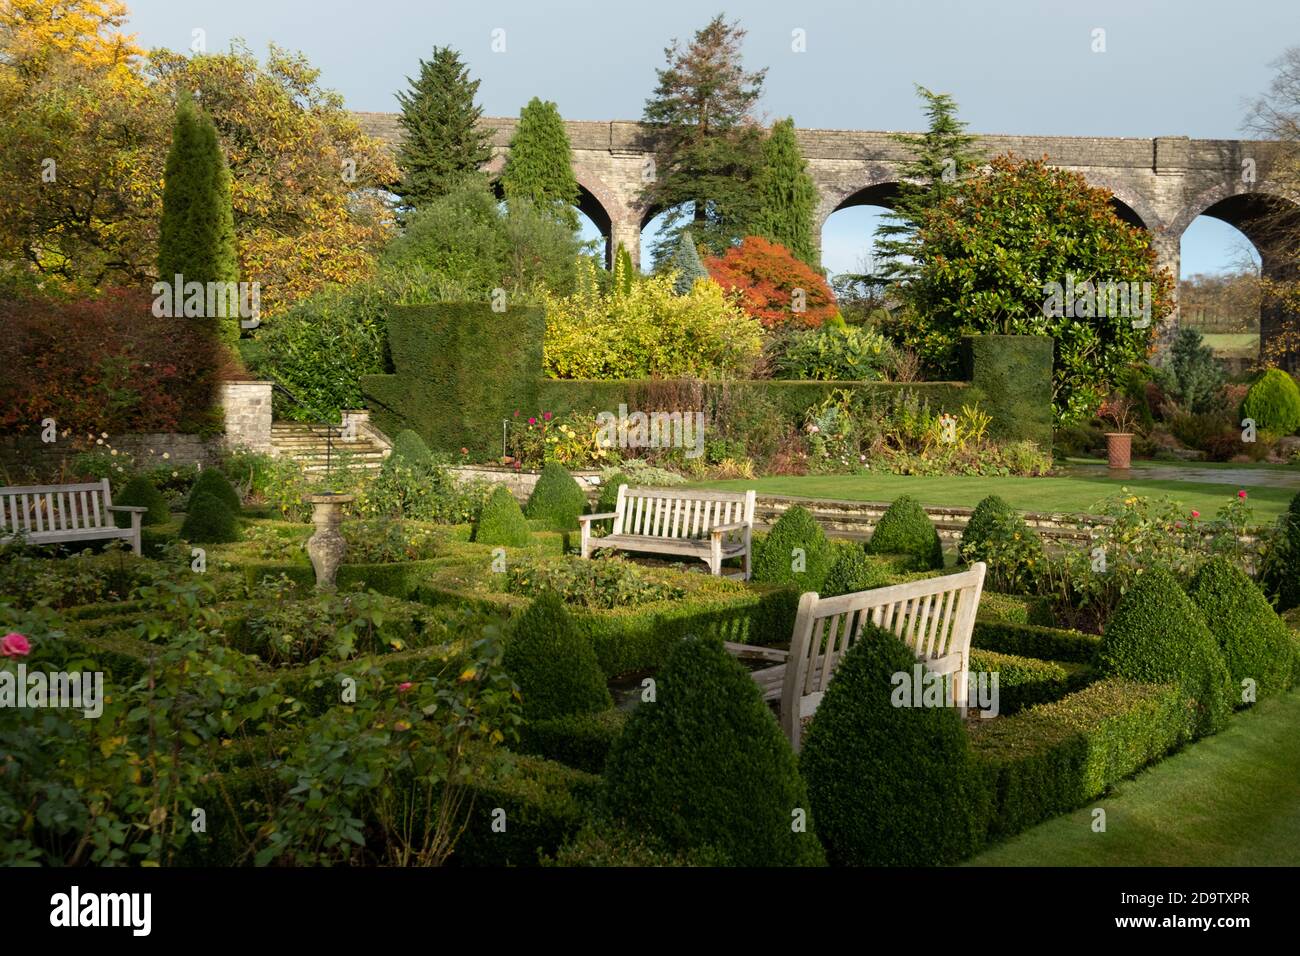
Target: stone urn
[1119,450]
[326,547]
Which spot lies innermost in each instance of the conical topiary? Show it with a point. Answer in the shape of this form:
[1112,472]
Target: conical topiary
[1158,636]
[1273,401]
[905,528]
[1252,638]
[557,499]
[975,535]
[409,447]
[141,493]
[501,522]
[209,521]
[852,571]
[795,553]
[705,765]
[890,785]
[555,666]
[212,482]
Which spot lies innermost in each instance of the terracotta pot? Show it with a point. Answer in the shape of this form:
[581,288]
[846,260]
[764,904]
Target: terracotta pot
[1119,450]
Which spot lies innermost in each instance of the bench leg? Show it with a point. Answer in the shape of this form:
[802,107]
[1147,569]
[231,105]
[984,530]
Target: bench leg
[715,557]
[135,532]
[584,540]
[746,561]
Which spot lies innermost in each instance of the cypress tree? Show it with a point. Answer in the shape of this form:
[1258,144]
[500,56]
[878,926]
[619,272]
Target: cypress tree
[539,167]
[443,140]
[686,260]
[196,237]
[786,194]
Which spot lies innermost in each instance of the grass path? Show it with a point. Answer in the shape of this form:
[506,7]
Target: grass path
[1077,494]
[1230,800]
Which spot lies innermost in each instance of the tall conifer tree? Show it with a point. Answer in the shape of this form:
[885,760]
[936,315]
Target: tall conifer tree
[786,194]
[540,165]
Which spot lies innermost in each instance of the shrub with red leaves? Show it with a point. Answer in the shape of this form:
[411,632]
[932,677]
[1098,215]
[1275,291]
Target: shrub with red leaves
[766,274]
[105,364]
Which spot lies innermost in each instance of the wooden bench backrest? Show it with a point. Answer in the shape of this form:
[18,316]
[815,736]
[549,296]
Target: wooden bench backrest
[675,513]
[933,617]
[51,509]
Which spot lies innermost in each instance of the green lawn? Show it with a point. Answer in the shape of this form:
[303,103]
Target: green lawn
[1233,343]
[1230,800]
[1066,494]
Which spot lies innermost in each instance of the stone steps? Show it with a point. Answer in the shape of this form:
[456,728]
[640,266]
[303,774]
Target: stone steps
[318,449]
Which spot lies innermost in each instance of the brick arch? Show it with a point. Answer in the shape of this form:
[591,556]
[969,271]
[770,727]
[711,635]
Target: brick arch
[877,188]
[1202,202]
[1133,207]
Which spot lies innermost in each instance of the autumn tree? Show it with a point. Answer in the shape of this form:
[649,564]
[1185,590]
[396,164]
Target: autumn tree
[708,145]
[539,168]
[787,196]
[774,287]
[443,138]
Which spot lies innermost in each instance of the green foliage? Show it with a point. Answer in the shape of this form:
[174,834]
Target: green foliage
[410,448]
[997,535]
[889,785]
[468,247]
[1058,756]
[426,492]
[705,765]
[608,499]
[141,493]
[557,499]
[796,552]
[990,250]
[905,528]
[539,167]
[1024,681]
[1274,402]
[602,844]
[501,522]
[196,237]
[787,197]
[554,666]
[1280,574]
[980,525]
[1013,376]
[1197,377]
[459,370]
[835,353]
[208,520]
[212,482]
[853,571]
[1034,640]
[1251,637]
[442,139]
[576,740]
[605,584]
[687,264]
[1157,635]
[624,272]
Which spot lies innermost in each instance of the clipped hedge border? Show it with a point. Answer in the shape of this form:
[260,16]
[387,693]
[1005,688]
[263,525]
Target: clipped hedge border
[1025,681]
[1056,757]
[1015,609]
[1031,640]
[545,804]
[581,741]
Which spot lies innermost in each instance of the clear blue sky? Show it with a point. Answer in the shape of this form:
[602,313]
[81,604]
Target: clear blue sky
[1171,67]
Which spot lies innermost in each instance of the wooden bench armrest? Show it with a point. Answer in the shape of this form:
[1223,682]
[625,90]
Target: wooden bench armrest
[139,509]
[598,517]
[724,528]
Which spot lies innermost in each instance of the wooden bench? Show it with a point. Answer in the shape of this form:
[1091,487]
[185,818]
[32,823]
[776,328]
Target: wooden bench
[710,526]
[934,617]
[51,514]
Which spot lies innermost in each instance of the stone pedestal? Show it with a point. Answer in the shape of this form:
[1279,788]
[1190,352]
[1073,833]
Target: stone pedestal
[327,546]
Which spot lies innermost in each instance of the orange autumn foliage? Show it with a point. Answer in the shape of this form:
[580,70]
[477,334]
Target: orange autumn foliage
[766,275]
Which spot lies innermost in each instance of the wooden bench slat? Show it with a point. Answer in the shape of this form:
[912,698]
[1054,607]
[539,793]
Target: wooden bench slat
[57,513]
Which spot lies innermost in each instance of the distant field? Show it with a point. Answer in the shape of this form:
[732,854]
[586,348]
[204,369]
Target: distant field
[1233,344]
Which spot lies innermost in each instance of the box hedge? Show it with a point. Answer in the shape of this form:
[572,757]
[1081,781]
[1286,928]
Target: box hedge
[553,664]
[1025,681]
[557,499]
[141,493]
[501,522]
[212,482]
[576,740]
[209,521]
[1030,640]
[795,553]
[905,528]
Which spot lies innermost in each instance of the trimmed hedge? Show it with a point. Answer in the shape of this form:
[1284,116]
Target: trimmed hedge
[1157,635]
[1011,378]
[1273,401]
[1056,757]
[890,785]
[1251,637]
[607,500]
[852,571]
[974,537]
[501,522]
[141,493]
[1024,681]
[410,448]
[545,804]
[212,482]
[607,844]
[705,765]
[1029,640]
[774,561]
[577,740]
[209,521]
[1015,609]
[554,666]
[557,499]
[905,528]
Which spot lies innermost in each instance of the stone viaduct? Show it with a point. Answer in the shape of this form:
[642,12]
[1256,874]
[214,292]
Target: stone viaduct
[1160,184]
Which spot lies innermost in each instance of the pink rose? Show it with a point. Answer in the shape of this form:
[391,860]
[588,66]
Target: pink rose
[14,644]
[516,413]
[1196,514]
[403,687]
[532,421]
[1241,494]
[546,415]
